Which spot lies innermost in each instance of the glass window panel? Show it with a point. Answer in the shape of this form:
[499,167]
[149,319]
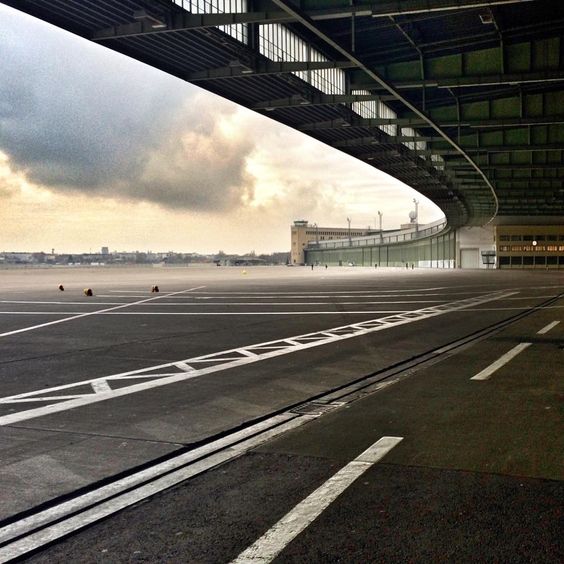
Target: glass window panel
[280,44]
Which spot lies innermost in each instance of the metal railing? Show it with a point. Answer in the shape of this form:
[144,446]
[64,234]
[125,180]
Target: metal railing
[375,240]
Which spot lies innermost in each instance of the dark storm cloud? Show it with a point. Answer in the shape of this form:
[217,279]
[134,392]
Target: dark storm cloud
[76,117]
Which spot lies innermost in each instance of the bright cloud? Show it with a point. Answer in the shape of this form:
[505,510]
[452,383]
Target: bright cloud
[98,149]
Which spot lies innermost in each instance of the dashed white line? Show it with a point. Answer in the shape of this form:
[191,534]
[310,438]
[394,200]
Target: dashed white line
[97,312]
[546,329]
[293,523]
[502,361]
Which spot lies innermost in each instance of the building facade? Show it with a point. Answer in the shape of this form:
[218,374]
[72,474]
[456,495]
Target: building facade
[530,246]
[302,233]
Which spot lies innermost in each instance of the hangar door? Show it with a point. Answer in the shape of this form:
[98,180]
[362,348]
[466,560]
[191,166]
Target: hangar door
[469,258]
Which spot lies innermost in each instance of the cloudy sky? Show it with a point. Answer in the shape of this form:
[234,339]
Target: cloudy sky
[99,150]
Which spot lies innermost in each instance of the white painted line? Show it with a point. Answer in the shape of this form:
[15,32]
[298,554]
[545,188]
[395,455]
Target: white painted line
[161,373]
[183,366]
[217,304]
[101,311]
[487,372]
[247,293]
[192,313]
[524,308]
[531,297]
[91,303]
[101,386]
[273,542]
[175,470]
[546,329]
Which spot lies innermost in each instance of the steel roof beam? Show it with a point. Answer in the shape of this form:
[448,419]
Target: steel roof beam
[512,79]
[341,123]
[188,22]
[309,25]
[300,100]
[419,122]
[533,166]
[534,147]
[463,44]
[238,68]
[385,140]
[388,8]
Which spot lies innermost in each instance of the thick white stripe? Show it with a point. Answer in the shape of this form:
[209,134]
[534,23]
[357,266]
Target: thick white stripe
[161,373]
[33,327]
[101,386]
[548,328]
[293,523]
[185,468]
[487,372]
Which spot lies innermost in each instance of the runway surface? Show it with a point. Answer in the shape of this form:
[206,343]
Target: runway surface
[333,415]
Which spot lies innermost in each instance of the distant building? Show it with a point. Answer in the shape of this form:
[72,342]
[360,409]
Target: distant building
[105,251]
[302,233]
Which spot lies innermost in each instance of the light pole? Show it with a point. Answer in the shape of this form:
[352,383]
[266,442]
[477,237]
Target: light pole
[316,234]
[380,214]
[350,241]
[416,218]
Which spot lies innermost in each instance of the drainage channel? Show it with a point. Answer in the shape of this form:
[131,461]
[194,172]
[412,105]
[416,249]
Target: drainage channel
[36,530]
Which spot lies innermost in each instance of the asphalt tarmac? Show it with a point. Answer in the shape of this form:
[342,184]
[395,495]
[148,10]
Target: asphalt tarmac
[96,388]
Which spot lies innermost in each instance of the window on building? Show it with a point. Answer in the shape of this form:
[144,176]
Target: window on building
[375,109]
[237,31]
[278,43]
[540,260]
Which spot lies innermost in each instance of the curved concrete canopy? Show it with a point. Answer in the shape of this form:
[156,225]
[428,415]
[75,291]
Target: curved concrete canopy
[461,99]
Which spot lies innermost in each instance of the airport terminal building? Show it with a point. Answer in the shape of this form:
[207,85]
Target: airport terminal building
[434,245]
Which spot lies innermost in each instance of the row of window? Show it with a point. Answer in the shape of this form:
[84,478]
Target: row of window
[530,248]
[278,43]
[532,260]
[551,237]
[343,233]
[375,109]
[237,31]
